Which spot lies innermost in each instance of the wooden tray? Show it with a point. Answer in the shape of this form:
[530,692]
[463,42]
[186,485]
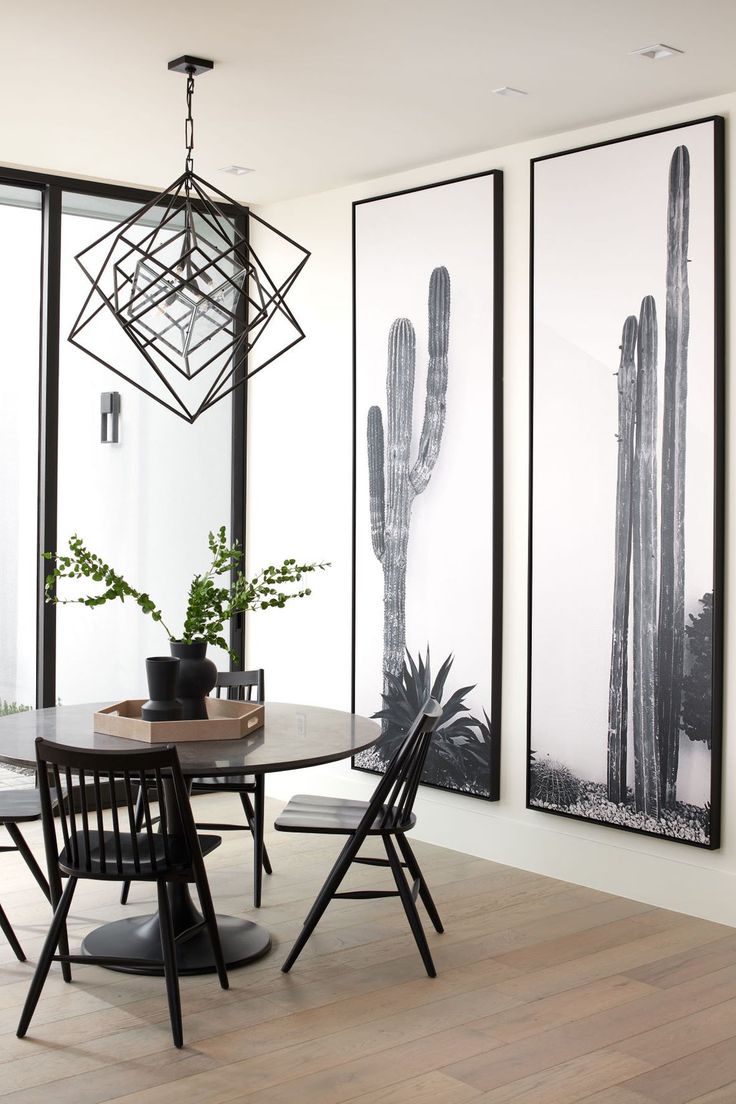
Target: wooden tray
[226,720]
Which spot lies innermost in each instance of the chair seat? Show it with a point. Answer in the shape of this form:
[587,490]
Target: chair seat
[229,783]
[179,855]
[20,805]
[335,816]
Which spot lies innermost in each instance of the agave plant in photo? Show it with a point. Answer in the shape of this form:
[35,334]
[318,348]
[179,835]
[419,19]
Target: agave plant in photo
[460,752]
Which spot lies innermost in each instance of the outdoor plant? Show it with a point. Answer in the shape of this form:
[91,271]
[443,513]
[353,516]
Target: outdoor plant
[6,708]
[213,600]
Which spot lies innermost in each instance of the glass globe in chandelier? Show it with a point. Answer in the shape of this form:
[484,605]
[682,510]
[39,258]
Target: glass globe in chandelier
[183,278]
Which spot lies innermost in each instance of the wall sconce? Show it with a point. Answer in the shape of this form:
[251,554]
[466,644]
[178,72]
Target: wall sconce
[109,417]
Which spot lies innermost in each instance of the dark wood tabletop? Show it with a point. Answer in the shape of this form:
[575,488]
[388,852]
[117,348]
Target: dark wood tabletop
[292,736]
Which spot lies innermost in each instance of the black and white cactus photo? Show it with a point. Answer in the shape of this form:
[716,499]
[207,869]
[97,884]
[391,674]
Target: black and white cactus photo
[426,377]
[626,513]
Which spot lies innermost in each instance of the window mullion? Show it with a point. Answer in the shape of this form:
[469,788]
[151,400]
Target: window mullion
[48,438]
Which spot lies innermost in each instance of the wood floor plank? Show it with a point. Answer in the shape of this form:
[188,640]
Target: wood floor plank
[683,1036]
[543,1051]
[333,1085]
[428,1088]
[564,948]
[682,1082]
[696,962]
[725,1095]
[617,1094]
[332,1038]
[569,1006]
[116,1080]
[684,934]
[567,1082]
[388,1005]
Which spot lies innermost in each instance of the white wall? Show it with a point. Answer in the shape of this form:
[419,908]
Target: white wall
[299,504]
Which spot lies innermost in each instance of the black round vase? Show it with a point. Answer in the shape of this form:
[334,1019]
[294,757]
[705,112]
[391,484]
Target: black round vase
[162,673]
[197,676]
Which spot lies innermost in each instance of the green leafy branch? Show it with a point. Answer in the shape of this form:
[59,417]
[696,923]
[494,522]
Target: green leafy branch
[211,603]
[80,563]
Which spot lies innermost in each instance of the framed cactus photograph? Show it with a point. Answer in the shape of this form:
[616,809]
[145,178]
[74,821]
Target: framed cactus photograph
[627,541]
[427,286]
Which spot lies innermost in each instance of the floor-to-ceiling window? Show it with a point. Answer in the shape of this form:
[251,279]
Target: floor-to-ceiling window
[20,286]
[145,504]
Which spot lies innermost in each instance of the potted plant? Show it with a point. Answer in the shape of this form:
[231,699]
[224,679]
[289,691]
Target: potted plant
[212,602]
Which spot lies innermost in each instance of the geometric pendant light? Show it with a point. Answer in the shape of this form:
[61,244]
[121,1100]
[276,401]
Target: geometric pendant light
[189,289]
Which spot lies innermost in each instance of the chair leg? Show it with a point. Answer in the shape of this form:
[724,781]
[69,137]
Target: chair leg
[210,918]
[250,816]
[19,840]
[168,946]
[416,873]
[409,907]
[325,895]
[56,897]
[125,890]
[53,939]
[11,936]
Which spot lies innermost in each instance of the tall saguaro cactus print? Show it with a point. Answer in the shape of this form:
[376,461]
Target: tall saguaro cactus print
[618,694]
[393,482]
[672,566]
[658,584]
[644,499]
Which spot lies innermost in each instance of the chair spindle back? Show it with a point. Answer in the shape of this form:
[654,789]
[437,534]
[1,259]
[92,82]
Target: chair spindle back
[242,685]
[141,774]
[397,789]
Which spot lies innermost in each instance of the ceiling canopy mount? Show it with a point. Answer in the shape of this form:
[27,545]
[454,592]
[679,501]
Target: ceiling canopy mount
[191,66]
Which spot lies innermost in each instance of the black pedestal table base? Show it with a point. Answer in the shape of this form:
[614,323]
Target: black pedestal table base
[139,937]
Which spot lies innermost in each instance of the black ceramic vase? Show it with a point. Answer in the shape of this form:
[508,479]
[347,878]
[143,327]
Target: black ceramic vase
[162,673]
[197,676]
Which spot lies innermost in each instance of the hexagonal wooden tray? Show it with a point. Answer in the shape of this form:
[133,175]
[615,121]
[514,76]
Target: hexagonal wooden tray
[226,720]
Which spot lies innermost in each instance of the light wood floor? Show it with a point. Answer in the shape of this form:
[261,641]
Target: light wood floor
[547,994]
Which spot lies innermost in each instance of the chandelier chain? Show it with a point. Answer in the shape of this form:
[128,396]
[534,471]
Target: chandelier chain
[189,127]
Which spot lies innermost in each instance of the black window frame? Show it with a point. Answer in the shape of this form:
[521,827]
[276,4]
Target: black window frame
[52,189]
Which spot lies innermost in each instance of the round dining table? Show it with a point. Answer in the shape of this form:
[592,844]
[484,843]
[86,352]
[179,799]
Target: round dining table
[292,736]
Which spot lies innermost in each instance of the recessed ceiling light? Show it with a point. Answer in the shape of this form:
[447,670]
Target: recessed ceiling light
[658,52]
[507,91]
[236,170]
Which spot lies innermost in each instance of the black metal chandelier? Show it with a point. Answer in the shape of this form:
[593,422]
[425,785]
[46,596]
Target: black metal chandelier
[189,289]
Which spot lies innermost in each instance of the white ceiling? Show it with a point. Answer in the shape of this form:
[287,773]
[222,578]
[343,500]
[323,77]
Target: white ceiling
[314,94]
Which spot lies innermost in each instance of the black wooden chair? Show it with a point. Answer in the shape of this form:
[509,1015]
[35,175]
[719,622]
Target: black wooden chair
[92,851]
[389,815]
[240,686]
[20,807]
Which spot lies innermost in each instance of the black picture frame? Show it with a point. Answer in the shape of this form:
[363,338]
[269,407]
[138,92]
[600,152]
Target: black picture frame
[718,532]
[496,301]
